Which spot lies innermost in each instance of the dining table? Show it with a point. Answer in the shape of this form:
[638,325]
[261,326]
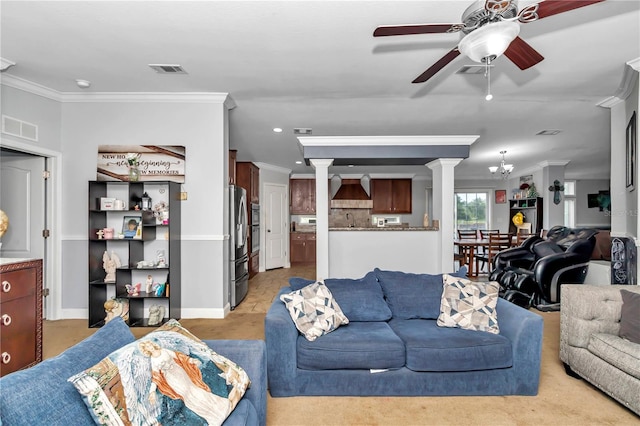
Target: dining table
[469,248]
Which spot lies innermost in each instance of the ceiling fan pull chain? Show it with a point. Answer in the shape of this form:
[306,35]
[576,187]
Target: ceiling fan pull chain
[488,75]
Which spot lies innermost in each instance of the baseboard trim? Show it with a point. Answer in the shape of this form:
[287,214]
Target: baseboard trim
[213,313]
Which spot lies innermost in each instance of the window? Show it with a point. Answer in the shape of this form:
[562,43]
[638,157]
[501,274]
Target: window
[570,203]
[471,210]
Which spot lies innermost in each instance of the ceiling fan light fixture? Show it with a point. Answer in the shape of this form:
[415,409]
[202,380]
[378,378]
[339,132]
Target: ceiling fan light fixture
[490,40]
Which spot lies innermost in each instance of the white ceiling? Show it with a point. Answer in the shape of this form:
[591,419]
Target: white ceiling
[316,64]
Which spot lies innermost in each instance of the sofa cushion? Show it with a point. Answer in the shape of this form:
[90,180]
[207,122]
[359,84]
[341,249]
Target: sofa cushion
[433,348]
[168,376]
[621,353]
[296,283]
[359,345]
[469,305]
[629,317]
[360,299]
[314,311]
[32,389]
[411,295]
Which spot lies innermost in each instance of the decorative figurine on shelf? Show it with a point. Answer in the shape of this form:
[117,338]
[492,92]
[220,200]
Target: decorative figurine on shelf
[100,233]
[156,314]
[160,260]
[110,264]
[159,289]
[133,290]
[161,213]
[533,192]
[116,308]
[149,286]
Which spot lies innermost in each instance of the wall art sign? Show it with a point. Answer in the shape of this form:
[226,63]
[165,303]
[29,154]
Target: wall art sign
[154,162]
[501,196]
[632,147]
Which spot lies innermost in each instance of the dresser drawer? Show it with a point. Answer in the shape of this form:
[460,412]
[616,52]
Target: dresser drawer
[16,284]
[18,341]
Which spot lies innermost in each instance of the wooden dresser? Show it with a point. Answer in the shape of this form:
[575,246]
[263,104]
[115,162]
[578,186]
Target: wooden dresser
[20,314]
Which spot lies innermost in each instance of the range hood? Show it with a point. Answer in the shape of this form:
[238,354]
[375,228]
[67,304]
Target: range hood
[351,195]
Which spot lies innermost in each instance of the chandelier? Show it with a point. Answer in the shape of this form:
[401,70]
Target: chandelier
[504,169]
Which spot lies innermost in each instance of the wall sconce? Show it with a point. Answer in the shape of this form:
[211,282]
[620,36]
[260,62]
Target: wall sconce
[556,188]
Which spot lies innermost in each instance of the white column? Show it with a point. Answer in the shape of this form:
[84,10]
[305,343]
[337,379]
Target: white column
[443,208]
[322,217]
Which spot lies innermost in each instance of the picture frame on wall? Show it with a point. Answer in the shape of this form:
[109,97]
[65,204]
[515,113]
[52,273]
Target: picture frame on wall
[631,150]
[501,196]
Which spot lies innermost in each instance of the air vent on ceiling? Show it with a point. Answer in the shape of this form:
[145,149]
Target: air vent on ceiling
[302,131]
[548,132]
[473,69]
[167,68]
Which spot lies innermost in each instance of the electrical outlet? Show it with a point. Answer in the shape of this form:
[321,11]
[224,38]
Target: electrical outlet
[183,196]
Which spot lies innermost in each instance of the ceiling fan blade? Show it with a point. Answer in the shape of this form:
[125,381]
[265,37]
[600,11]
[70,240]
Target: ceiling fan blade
[522,54]
[553,7]
[433,69]
[393,30]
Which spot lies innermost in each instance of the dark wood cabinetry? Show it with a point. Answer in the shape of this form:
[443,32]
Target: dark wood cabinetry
[159,239]
[303,248]
[531,208]
[20,315]
[248,177]
[391,196]
[302,196]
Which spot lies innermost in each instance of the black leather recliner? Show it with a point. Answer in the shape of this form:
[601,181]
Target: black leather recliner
[530,275]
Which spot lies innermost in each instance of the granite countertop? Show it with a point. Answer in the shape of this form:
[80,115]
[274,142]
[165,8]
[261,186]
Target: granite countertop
[384,228]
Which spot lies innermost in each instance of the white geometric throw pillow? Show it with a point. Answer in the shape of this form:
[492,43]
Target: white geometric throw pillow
[469,305]
[314,311]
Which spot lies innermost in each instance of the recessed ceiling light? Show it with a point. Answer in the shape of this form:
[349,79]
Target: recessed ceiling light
[350,165]
[277,129]
[298,162]
[83,84]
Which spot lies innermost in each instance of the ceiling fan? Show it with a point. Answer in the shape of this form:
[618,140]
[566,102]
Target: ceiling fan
[490,28]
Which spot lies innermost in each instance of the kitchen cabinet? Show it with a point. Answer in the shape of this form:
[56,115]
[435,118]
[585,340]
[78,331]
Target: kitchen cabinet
[302,248]
[21,313]
[248,177]
[391,196]
[302,196]
[531,208]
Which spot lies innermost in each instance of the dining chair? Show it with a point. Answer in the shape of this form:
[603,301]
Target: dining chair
[484,234]
[461,256]
[521,236]
[497,243]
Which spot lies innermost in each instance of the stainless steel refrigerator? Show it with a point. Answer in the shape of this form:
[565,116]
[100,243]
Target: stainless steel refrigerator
[238,256]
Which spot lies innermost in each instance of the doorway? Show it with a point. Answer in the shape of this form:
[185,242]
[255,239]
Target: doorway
[27,195]
[275,215]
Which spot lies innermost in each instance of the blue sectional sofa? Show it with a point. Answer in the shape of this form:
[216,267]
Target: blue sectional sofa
[393,346]
[41,395]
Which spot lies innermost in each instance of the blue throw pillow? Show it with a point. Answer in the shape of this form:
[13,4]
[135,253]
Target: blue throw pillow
[360,299]
[42,395]
[411,295]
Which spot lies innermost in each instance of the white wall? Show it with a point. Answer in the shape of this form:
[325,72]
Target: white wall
[200,126]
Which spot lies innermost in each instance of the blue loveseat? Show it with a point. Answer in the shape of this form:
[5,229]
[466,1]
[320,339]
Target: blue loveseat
[41,395]
[393,346]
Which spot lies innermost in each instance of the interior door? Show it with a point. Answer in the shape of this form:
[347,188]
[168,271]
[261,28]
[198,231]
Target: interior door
[276,225]
[22,198]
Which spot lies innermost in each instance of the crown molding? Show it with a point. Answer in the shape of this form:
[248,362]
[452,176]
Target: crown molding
[387,140]
[271,167]
[631,68]
[548,163]
[37,89]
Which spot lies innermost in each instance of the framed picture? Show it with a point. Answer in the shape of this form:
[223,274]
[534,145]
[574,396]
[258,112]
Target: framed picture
[632,146]
[131,227]
[501,196]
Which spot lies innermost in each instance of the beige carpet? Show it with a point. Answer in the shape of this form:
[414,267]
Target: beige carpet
[562,400]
